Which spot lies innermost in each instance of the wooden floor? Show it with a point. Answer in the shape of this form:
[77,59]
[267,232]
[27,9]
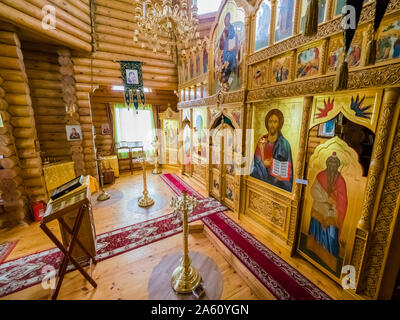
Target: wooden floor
[126,276]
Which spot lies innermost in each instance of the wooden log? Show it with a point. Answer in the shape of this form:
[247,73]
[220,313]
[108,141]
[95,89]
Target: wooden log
[10,38]
[14,204]
[7,50]
[49,144]
[9,163]
[34,182]
[5,129]
[24,132]
[75,8]
[46,93]
[3,104]
[59,120]
[25,20]
[11,184]
[28,153]
[20,111]
[130,50]
[65,15]
[24,143]
[33,65]
[23,122]
[7,151]
[5,115]
[9,173]
[6,139]
[46,84]
[19,99]
[31,172]
[10,63]
[36,12]
[13,75]
[32,163]
[59,152]
[12,196]
[46,102]
[35,74]
[16,87]
[32,56]
[48,111]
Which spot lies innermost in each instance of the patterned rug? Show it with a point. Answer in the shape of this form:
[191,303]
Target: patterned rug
[282,280]
[6,248]
[24,272]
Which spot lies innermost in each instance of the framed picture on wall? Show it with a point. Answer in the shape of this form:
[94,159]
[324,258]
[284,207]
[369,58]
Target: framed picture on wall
[74,132]
[105,129]
[1,122]
[327,129]
[132,76]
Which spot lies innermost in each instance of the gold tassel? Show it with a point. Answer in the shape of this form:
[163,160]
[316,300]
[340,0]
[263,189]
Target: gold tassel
[311,24]
[342,76]
[370,56]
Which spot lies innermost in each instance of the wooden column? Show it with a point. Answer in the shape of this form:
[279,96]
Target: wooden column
[377,172]
[17,95]
[70,99]
[11,186]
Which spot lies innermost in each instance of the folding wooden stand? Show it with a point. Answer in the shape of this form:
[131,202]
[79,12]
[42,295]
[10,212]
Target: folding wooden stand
[57,210]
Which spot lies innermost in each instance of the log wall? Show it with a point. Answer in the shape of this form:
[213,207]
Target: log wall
[72,20]
[42,68]
[21,131]
[12,191]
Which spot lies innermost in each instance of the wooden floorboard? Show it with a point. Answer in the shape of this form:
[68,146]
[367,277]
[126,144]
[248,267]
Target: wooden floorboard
[126,276]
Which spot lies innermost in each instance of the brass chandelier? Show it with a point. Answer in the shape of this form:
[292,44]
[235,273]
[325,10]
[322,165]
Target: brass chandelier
[167,25]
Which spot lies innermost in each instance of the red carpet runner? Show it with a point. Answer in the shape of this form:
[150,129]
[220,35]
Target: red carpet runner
[25,272]
[282,280]
[6,248]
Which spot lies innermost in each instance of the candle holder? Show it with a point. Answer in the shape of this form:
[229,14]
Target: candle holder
[185,277]
[145,201]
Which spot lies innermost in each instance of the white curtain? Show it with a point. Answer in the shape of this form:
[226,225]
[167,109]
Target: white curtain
[132,125]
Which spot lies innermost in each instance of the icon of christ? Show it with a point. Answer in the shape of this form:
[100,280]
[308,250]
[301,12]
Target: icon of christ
[273,156]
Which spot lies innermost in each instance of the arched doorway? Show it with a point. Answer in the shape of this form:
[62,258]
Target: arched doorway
[222,142]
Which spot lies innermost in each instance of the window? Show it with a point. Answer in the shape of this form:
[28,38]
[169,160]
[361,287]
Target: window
[207,6]
[132,125]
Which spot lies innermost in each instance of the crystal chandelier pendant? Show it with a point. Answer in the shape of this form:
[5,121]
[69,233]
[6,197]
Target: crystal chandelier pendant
[167,26]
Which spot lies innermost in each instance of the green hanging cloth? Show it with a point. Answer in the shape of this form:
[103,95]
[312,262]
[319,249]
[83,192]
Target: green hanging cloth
[132,79]
[380,9]
[350,19]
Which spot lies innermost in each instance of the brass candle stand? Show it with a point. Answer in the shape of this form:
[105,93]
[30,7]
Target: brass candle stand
[185,277]
[103,196]
[145,201]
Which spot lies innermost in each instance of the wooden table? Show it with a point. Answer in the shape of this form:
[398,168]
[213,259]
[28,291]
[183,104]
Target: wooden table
[160,280]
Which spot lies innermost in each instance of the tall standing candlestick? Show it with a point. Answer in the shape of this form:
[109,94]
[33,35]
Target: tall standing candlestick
[145,201]
[185,277]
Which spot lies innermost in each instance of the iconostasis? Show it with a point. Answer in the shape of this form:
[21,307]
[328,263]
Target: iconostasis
[200,144]
[170,127]
[275,158]
[186,123]
[228,48]
[337,176]
[310,166]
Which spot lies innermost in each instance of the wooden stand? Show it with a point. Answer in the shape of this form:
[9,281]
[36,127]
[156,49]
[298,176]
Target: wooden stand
[57,210]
